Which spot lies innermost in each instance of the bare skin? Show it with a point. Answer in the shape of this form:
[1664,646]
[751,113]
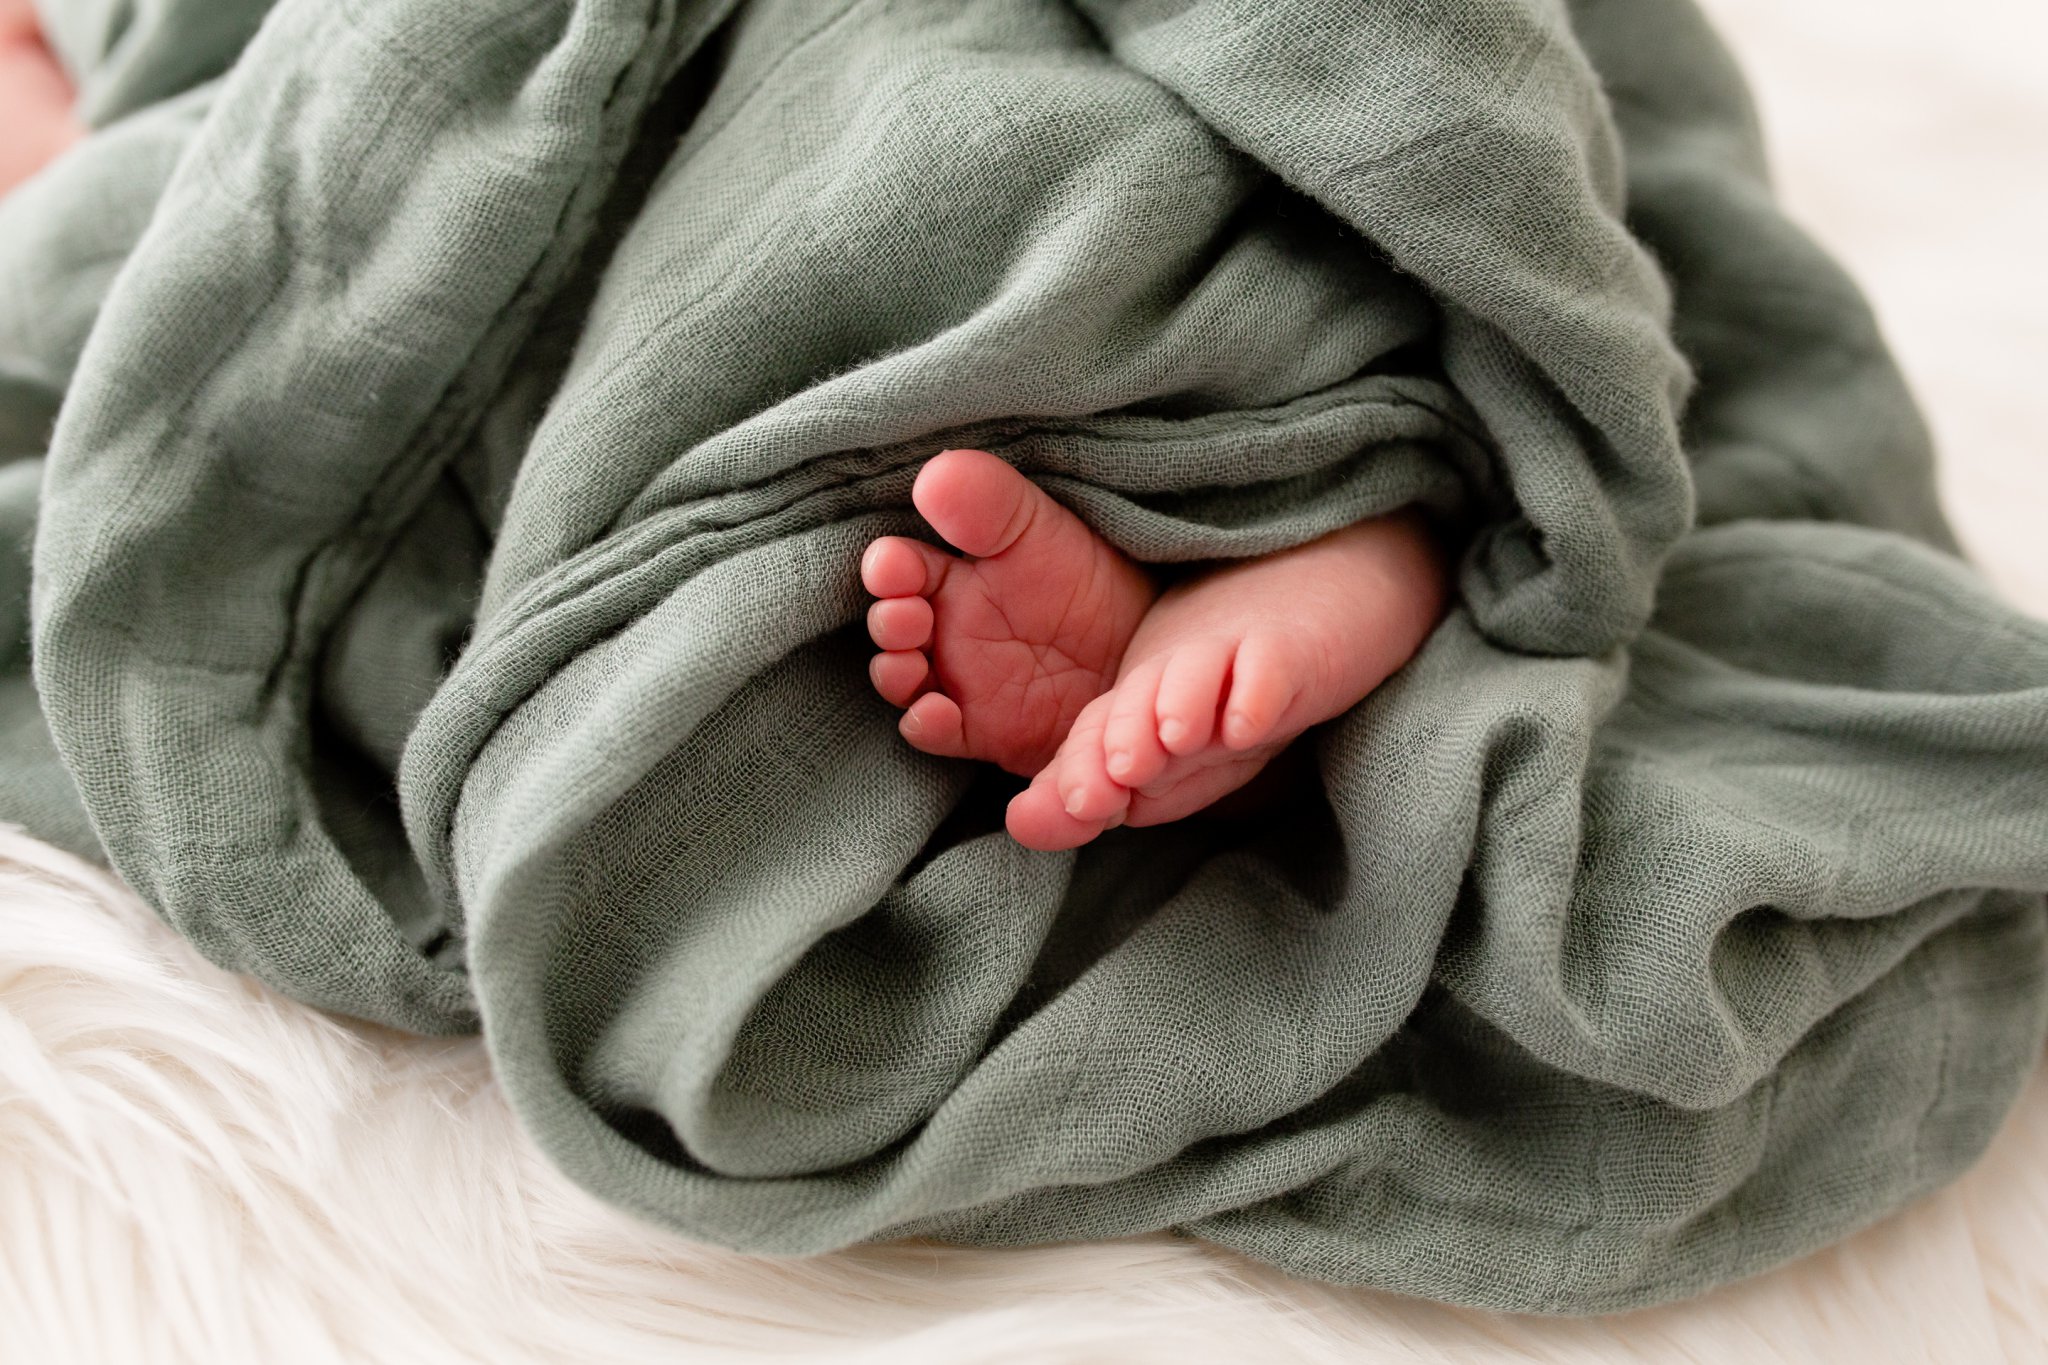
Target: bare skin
[35,98]
[995,654]
[1053,655]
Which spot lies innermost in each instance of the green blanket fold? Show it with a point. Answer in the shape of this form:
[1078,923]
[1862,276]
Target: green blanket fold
[467,421]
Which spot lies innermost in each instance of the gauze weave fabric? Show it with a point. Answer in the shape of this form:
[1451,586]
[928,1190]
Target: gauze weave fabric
[460,423]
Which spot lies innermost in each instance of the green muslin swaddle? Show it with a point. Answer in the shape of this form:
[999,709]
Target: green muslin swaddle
[456,424]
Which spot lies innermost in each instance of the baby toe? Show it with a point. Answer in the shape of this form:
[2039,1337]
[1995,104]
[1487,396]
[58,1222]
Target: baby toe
[1190,694]
[933,724]
[1087,792]
[1043,816]
[897,674]
[897,566]
[1264,679]
[977,502]
[899,623]
[1035,820]
[1132,754]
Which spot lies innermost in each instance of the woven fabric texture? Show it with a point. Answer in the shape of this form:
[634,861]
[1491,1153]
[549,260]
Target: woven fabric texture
[456,425]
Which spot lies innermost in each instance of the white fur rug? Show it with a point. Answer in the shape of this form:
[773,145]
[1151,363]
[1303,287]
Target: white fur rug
[193,1169]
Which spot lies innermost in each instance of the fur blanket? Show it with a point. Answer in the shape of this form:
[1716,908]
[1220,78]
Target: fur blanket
[195,1169]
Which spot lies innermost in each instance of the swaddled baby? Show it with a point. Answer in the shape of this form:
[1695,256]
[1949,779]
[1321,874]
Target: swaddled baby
[1040,647]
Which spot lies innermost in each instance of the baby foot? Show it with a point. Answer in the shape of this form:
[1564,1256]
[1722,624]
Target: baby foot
[35,97]
[996,653]
[1227,669]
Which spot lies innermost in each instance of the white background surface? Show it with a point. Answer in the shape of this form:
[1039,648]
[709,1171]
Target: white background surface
[1911,138]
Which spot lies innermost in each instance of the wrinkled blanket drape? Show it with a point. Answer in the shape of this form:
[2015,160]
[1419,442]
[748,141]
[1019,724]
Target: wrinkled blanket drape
[441,437]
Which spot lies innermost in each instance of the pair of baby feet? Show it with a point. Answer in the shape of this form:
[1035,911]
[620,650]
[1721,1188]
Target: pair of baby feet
[1040,648]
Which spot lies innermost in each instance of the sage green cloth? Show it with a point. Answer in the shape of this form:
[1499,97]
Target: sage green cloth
[445,606]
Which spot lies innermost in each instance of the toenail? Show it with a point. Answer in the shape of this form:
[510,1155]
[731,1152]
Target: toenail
[911,724]
[1075,800]
[1116,819]
[1172,731]
[1240,726]
[1119,762]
